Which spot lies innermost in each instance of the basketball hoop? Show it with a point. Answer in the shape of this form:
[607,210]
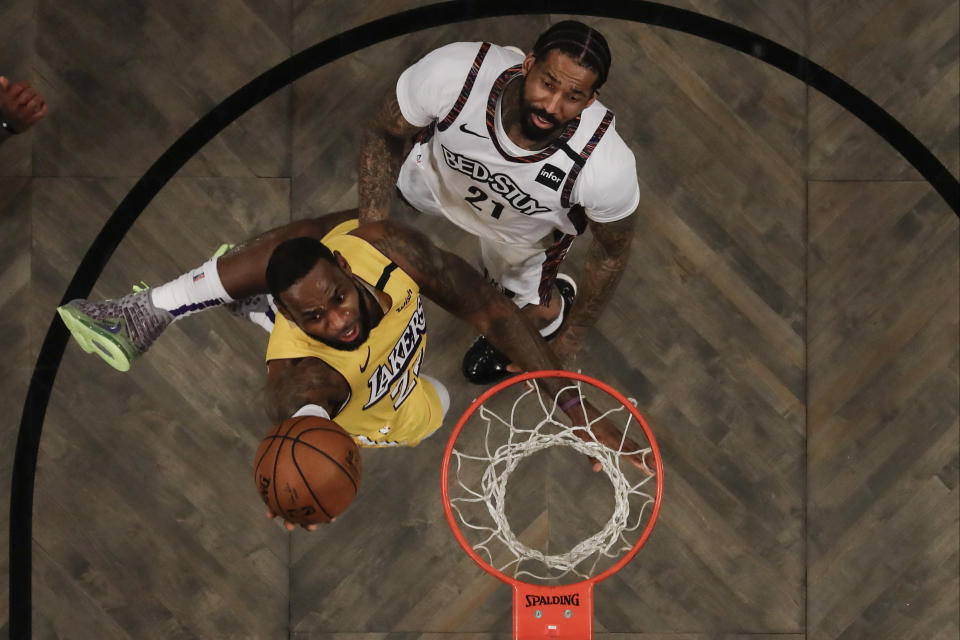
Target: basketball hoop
[475,498]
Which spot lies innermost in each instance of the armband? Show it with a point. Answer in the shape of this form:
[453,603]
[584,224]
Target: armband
[311,410]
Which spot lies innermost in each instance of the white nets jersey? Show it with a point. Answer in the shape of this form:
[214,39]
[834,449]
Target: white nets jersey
[465,168]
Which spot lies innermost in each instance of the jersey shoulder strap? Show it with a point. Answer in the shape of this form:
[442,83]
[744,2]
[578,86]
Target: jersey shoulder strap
[582,157]
[467,87]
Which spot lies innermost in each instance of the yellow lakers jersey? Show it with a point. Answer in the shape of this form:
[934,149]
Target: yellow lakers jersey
[389,403]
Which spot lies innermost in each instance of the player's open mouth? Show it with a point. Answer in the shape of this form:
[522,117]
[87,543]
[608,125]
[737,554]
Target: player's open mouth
[351,334]
[540,122]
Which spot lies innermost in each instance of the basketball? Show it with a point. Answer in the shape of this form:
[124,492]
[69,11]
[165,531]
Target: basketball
[307,470]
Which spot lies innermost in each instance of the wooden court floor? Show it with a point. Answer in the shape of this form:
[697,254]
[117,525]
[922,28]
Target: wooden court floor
[788,325]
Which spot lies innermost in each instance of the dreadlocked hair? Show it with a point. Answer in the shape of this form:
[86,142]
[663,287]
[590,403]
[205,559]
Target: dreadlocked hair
[584,44]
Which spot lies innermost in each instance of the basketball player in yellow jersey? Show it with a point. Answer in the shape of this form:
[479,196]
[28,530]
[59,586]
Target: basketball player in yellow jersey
[350,336]
[377,352]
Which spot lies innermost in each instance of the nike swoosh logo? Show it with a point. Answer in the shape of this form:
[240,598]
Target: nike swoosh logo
[364,366]
[463,128]
[114,328]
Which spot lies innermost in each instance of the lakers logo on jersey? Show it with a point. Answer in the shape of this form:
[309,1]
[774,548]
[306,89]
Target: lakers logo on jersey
[397,367]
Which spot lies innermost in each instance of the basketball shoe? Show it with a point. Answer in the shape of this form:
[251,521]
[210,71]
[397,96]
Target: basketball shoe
[485,364]
[119,331]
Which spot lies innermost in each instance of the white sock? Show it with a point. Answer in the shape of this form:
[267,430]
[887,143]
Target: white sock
[194,291]
[553,326]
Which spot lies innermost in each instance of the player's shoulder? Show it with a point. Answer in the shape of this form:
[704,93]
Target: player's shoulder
[505,56]
[408,248]
[611,142]
[372,231]
[461,55]
[451,57]
[612,153]
[608,182]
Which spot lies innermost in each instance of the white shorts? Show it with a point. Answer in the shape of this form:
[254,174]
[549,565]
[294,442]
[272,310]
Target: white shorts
[517,269]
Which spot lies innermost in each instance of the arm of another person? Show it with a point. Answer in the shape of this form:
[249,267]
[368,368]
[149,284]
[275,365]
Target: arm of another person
[424,90]
[21,107]
[453,284]
[381,155]
[609,192]
[295,383]
[605,263]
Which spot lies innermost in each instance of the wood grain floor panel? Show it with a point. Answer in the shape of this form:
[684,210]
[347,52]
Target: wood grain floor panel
[883,415]
[15,332]
[903,55]
[151,70]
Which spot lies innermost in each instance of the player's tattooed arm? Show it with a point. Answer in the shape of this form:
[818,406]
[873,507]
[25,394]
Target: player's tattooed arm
[453,284]
[456,286]
[291,384]
[605,263]
[381,155]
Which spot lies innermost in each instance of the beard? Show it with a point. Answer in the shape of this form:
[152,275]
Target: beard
[363,321]
[530,130]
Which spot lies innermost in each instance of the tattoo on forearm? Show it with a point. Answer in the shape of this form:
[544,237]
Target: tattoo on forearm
[377,174]
[605,263]
[309,381]
[380,158]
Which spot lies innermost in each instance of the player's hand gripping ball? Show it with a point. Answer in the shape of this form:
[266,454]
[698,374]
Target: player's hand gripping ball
[307,470]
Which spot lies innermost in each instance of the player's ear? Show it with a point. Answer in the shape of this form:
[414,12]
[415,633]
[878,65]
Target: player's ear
[528,63]
[593,98]
[342,263]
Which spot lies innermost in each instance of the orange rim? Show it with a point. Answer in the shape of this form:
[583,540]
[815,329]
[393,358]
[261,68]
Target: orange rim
[445,470]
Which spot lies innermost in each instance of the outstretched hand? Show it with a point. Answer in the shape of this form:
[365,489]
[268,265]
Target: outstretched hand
[290,526]
[608,435]
[21,106]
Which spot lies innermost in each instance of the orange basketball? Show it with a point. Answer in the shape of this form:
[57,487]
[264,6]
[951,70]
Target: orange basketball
[307,469]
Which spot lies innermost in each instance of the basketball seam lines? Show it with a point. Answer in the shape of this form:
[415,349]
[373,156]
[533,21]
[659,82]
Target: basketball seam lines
[325,454]
[276,460]
[295,440]
[293,457]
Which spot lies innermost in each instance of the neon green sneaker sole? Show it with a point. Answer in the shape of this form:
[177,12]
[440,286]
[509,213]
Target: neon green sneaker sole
[93,337]
[221,250]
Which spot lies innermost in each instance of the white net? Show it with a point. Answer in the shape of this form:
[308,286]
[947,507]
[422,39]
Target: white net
[534,423]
